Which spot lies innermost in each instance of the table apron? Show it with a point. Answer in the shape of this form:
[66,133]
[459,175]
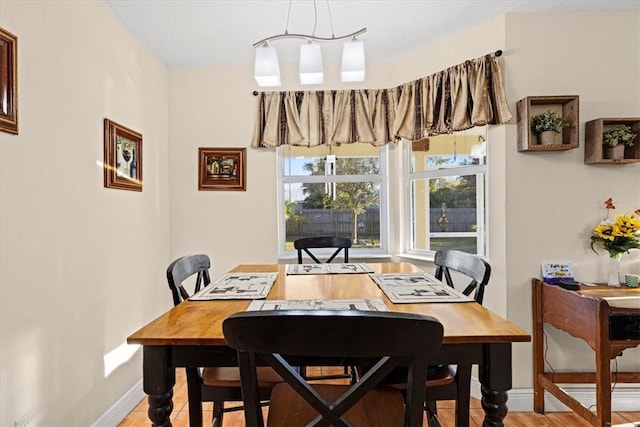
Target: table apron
[471,353]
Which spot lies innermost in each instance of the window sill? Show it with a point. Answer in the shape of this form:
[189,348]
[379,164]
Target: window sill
[417,257]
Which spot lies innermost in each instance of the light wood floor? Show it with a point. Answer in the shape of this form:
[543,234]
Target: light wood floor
[180,416]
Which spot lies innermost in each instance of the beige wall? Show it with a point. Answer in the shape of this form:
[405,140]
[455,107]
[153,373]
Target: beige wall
[554,199]
[73,284]
[81,266]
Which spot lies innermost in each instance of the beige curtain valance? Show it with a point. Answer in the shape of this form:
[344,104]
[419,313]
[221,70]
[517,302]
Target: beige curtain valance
[460,97]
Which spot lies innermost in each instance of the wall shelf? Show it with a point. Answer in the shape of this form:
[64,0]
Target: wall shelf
[567,106]
[593,148]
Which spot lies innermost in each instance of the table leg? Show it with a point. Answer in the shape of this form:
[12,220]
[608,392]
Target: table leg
[538,347]
[159,378]
[495,380]
[603,383]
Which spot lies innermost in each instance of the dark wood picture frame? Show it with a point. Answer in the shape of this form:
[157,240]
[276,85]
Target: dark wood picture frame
[8,82]
[221,169]
[122,157]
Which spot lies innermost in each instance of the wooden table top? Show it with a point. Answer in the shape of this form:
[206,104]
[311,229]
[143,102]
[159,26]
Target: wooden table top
[622,298]
[200,322]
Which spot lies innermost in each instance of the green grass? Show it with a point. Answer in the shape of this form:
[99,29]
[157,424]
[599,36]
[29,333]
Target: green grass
[465,244]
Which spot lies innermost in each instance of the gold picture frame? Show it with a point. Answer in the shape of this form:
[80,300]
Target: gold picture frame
[8,82]
[122,157]
[222,169]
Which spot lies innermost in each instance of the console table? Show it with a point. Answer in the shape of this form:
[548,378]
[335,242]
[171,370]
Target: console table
[607,319]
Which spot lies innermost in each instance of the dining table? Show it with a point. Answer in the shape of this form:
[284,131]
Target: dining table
[190,334]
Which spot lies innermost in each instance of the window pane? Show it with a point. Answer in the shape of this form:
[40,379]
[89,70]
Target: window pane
[445,212]
[354,212]
[302,165]
[347,159]
[320,200]
[445,151]
[447,192]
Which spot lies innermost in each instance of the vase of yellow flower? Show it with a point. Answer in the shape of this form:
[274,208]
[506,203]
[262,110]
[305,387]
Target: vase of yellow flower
[614,270]
[617,237]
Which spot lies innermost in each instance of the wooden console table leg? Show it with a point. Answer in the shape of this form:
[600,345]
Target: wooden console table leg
[158,381]
[538,347]
[603,377]
[495,380]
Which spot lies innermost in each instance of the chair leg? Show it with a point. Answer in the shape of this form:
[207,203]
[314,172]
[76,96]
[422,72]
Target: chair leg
[463,396]
[194,397]
[218,412]
[432,414]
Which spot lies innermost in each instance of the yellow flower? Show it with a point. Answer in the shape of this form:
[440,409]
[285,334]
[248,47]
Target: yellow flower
[604,231]
[617,231]
[620,236]
[628,223]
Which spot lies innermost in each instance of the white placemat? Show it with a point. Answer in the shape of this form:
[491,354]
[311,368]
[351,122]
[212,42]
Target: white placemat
[407,288]
[375,304]
[238,286]
[336,268]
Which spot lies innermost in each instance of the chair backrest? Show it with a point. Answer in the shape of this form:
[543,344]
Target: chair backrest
[183,268]
[390,339]
[306,243]
[472,266]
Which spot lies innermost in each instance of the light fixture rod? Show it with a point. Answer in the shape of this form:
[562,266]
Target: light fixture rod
[309,37]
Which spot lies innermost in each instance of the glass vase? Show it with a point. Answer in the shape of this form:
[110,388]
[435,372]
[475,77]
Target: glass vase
[614,270]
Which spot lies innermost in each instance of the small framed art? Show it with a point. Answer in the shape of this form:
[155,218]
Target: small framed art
[122,157]
[221,169]
[8,82]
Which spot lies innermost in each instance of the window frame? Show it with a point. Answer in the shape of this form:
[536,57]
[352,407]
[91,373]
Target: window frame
[382,178]
[482,207]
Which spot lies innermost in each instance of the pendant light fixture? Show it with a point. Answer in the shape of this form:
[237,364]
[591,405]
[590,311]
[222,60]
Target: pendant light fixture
[310,64]
[353,61]
[267,69]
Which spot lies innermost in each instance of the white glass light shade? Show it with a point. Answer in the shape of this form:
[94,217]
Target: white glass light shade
[310,64]
[353,67]
[267,69]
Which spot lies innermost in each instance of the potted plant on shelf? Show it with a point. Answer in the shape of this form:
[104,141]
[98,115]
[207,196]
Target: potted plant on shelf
[615,138]
[546,125]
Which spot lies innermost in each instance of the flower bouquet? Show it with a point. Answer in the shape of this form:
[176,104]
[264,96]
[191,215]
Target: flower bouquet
[617,237]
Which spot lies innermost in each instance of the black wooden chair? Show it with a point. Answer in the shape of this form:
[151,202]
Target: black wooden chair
[385,339]
[217,385]
[476,269]
[455,383]
[446,382]
[324,242]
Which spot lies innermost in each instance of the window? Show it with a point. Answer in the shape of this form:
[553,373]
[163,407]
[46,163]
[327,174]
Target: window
[333,191]
[446,193]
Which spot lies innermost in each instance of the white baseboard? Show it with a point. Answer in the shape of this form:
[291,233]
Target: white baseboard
[121,408]
[623,398]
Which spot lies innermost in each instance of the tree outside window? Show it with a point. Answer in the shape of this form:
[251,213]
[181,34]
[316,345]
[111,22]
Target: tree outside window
[333,192]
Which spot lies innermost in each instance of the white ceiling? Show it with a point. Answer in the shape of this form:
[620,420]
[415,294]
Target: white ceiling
[222,32]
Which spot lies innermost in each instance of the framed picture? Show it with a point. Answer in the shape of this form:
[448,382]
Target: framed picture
[221,169]
[8,82]
[122,157]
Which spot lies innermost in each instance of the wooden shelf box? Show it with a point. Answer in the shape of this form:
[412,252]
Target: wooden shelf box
[566,106]
[593,148]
